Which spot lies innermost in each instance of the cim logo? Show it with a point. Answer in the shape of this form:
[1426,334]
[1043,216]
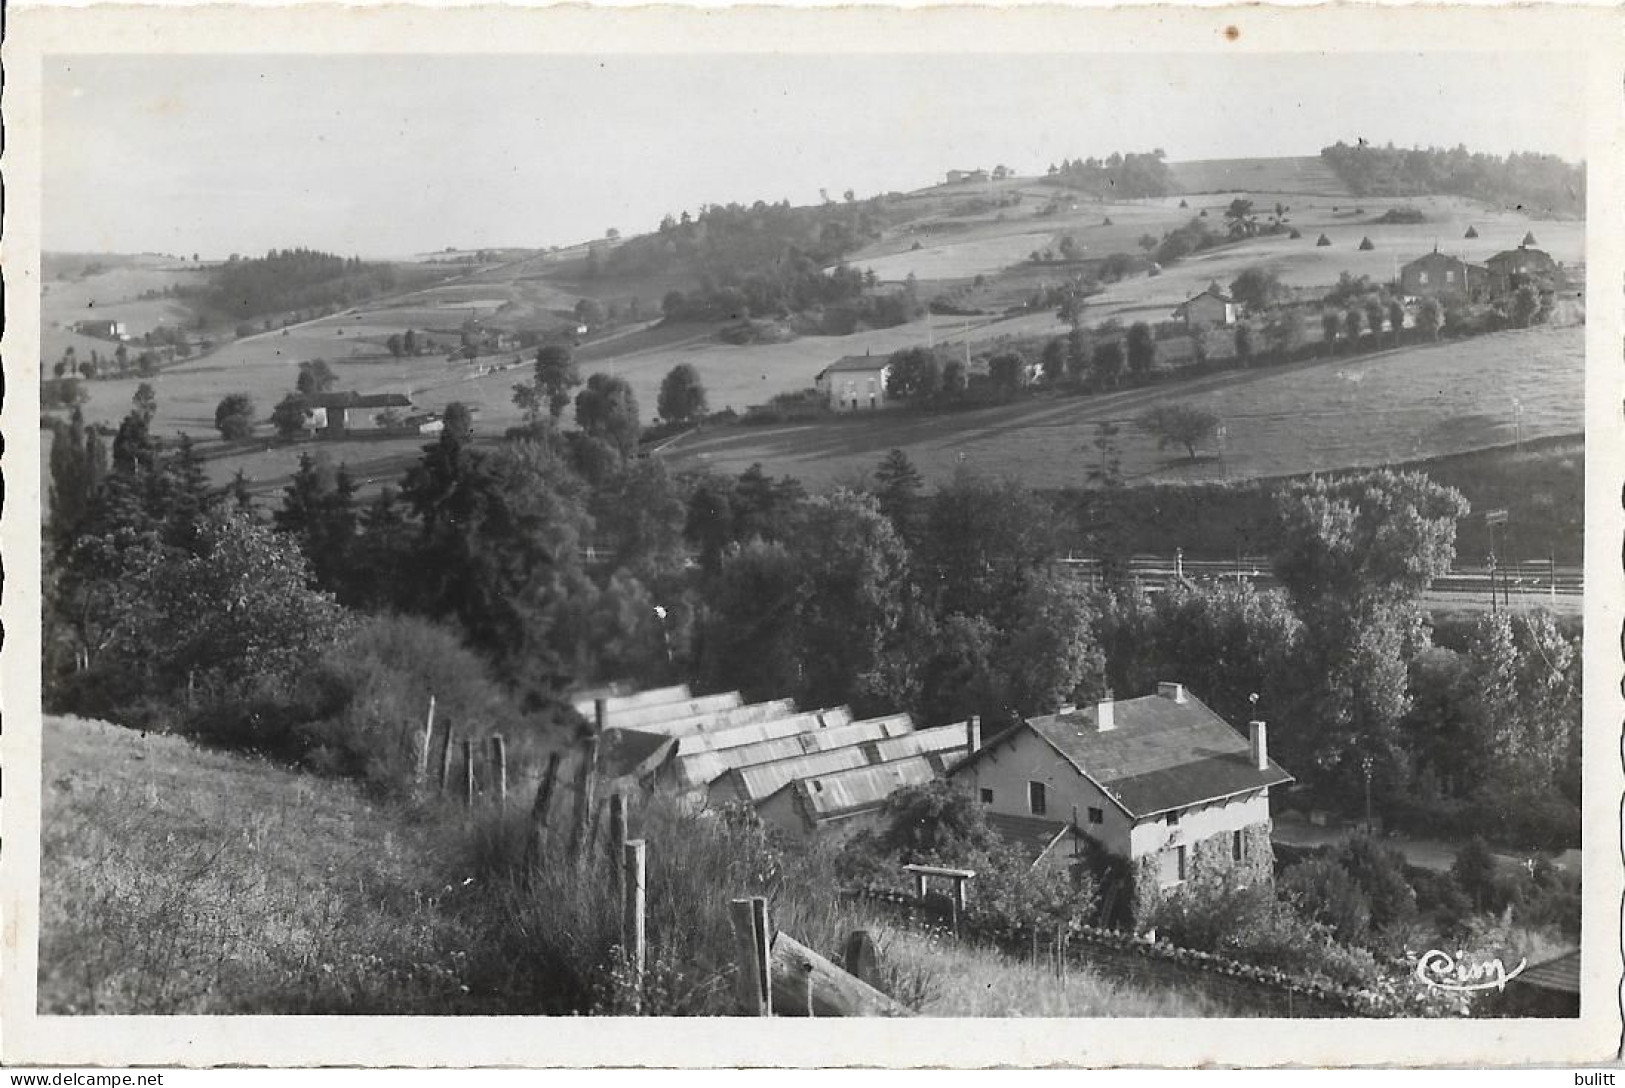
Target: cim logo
[1443,971]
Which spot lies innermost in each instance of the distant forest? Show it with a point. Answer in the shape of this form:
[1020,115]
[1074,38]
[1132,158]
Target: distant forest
[1536,181]
[1137,174]
[294,279]
[763,260]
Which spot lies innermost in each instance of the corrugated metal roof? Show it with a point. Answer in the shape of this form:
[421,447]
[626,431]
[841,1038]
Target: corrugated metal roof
[701,767]
[651,717]
[1162,754]
[944,738]
[1561,974]
[751,734]
[835,716]
[730,718]
[761,781]
[841,793]
[631,752]
[630,700]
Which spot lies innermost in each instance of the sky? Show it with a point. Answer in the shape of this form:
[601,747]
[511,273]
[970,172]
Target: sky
[389,156]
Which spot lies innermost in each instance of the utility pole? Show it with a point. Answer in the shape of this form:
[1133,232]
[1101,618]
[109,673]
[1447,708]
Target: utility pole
[1492,518]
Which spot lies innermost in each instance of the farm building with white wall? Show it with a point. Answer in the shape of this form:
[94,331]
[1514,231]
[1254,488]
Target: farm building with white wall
[856,383]
[1160,782]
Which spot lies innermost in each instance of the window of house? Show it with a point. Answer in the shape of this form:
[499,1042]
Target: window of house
[1096,816]
[1238,846]
[1184,861]
[1171,864]
[1036,801]
[1449,277]
[987,797]
[1172,819]
[1422,278]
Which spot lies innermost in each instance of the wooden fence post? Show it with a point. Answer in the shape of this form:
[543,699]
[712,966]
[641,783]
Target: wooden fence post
[538,810]
[752,976]
[428,739]
[445,759]
[499,758]
[586,775]
[468,772]
[859,957]
[618,844]
[633,934]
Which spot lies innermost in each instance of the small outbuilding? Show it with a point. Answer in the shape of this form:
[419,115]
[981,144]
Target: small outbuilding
[1211,307]
[1323,241]
[1365,244]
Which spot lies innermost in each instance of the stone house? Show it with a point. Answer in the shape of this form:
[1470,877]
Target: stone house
[1159,783]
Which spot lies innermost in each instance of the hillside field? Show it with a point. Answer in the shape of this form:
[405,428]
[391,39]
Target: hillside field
[179,880]
[959,240]
[1387,407]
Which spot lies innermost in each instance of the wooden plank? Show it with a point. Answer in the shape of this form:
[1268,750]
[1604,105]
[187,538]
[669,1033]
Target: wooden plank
[807,984]
[468,772]
[751,991]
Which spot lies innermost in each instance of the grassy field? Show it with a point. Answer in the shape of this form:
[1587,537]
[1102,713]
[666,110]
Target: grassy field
[970,981]
[1038,441]
[179,880]
[1387,407]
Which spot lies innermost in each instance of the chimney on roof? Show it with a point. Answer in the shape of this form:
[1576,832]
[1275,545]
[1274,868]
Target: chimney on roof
[1105,716]
[600,712]
[973,734]
[1258,742]
[1176,692]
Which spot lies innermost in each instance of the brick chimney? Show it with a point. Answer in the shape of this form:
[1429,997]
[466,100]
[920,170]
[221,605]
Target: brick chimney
[973,734]
[1258,743]
[1176,692]
[600,713]
[1105,718]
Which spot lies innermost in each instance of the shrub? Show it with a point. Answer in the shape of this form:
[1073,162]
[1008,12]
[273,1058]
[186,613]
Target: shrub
[1249,924]
[1323,891]
[372,692]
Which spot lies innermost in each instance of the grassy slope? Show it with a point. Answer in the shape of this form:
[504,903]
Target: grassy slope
[1388,407]
[179,880]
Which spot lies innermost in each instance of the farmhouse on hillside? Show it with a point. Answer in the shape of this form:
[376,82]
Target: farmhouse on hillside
[1211,307]
[1435,274]
[855,383]
[1160,782]
[1512,268]
[956,177]
[103,330]
[330,413]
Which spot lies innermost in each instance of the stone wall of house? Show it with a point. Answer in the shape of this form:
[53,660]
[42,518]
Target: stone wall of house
[1209,858]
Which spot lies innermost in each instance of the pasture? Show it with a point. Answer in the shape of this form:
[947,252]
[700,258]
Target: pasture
[175,879]
[537,291]
[1377,409]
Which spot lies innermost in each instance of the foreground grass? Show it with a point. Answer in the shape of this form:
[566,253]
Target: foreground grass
[180,880]
[963,980]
